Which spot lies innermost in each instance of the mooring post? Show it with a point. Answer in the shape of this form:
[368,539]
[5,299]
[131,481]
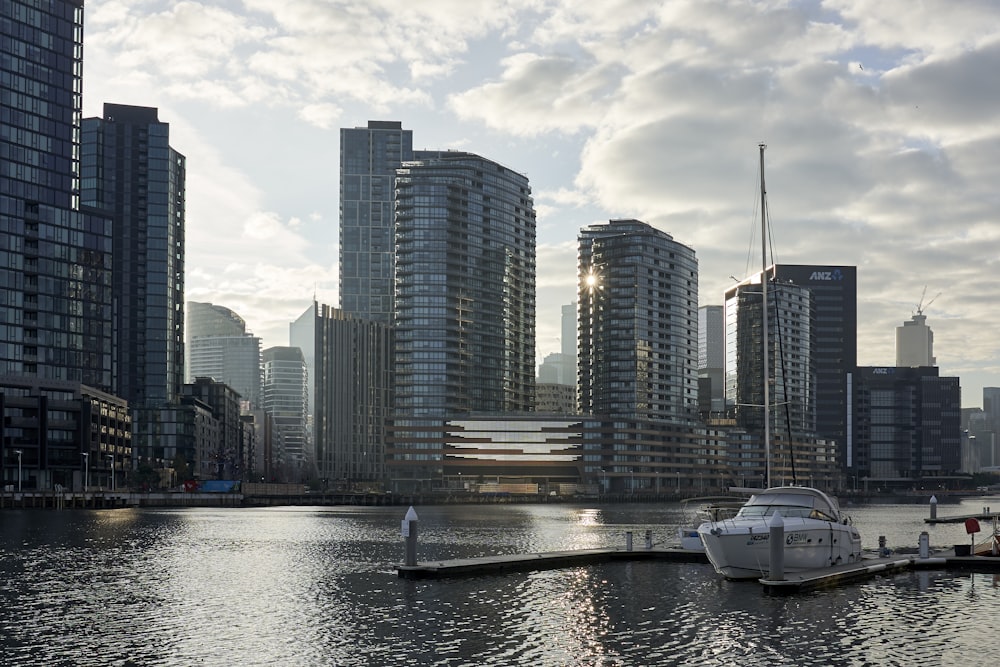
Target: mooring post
[925,545]
[409,528]
[649,539]
[777,545]
[933,507]
[883,551]
[628,540]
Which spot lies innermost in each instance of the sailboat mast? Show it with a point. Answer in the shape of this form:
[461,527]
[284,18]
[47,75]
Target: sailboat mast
[763,303]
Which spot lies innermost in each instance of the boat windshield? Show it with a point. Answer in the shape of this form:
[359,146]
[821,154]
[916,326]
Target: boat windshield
[798,511]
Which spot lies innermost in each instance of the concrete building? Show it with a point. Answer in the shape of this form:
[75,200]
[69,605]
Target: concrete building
[351,382]
[711,361]
[369,157]
[915,343]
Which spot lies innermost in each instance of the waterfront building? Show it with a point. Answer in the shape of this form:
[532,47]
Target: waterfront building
[133,175]
[560,367]
[905,429]
[834,324]
[225,459]
[711,361]
[637,314]
[220,347]
[915,343]
[286,400]
[56,273]
[351,382]
[465,300]
[62,435]
[638,322]
[369,157]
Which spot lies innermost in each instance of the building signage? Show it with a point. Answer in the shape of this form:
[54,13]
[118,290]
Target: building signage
[836,274]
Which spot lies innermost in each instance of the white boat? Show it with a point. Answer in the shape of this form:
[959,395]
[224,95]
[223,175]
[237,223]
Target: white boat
[714,509]
[816,534]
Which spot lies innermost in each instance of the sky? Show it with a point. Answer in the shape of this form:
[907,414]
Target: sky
[881,119]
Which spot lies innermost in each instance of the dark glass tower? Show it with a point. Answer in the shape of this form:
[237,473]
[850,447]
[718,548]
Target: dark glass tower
[131,173]
[369,157]
[465,287]
[55,260]
[638,323]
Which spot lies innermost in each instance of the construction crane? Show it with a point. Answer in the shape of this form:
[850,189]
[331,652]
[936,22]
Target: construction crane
[923,306]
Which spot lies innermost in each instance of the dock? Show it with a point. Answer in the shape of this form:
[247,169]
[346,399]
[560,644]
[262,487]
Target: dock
[542,561]
[797,582]
[979,516]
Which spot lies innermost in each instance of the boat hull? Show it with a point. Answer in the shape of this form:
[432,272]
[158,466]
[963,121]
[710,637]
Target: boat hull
[742,549]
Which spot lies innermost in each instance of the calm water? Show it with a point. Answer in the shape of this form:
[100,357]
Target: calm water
[317,586]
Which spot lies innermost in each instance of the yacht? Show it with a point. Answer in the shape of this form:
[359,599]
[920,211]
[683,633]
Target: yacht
[816,534]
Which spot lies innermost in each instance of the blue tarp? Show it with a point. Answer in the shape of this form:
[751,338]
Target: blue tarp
[219,486]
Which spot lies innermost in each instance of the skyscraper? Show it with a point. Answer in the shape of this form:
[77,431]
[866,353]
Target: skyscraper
[285,399]
[711,360]
[915,343]
[133,175]
[369,157]
[465,287]
[220,347]
[351,392]
[638,323]
[56,274]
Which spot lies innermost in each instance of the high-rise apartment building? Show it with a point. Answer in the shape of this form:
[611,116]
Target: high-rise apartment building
[638,323]
[55,272]
[711,360]
[834,354]
[131,173]
[369,157]
[915,343]
[351,390]
[220,347]
[790,359]
[286,400]
[465,287]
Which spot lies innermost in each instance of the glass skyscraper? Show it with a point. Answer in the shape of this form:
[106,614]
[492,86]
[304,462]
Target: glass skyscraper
[638,323]
[55,260]
[369,157]
[131,173]
[220,347]
[465,287]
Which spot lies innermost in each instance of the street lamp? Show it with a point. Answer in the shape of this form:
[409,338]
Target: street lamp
[112,457]
[19,452]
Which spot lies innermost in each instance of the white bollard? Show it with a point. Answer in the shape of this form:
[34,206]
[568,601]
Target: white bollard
[409,530]
[777,545]
[649,539]
[628,541]
[934,503]
[925,545]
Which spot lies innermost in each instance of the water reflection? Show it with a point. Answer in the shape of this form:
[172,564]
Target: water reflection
[317,586]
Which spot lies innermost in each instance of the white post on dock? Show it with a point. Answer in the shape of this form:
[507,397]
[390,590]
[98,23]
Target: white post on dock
[409,529]
[649,539]
[925,545]
[628,540]
[933,507]
[777,544]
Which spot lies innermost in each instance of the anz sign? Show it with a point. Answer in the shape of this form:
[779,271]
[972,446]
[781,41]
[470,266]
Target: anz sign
[836,274]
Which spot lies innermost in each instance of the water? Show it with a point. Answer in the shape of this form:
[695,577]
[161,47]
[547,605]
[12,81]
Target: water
[318,586]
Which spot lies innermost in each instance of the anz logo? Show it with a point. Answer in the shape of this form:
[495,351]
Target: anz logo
[836,274]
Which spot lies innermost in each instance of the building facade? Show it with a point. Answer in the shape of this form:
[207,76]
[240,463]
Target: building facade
[286,400]
[133,175]
[915,343]
[55,257]
[905,427]
[220,347]
[369,157]
[465,287]
[711,361]
[638,321]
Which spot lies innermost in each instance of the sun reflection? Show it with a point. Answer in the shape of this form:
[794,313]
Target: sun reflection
[589,517]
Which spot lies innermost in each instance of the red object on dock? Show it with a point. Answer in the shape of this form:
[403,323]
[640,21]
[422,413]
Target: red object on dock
[971,526]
